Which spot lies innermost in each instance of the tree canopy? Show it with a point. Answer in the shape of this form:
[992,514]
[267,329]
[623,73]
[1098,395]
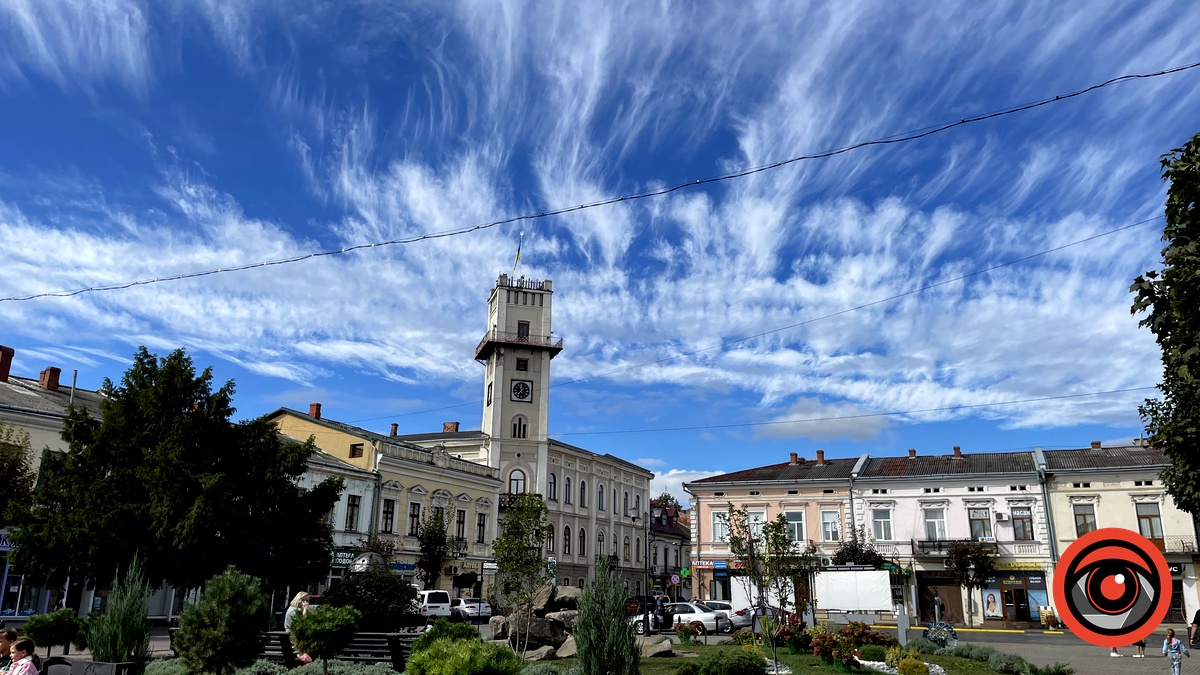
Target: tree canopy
[1171,299]
[773,564]
[665,501]
[166,474]
[972,563]
[435,547]
[16,471]
[522,571]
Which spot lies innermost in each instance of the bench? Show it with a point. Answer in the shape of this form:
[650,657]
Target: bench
[390,648]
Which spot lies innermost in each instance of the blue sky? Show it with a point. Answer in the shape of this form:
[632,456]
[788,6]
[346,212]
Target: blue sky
[149,139]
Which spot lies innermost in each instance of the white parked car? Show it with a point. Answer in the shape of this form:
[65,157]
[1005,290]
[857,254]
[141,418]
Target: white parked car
[433,603]
[739,618]
[685,612]
[470,609]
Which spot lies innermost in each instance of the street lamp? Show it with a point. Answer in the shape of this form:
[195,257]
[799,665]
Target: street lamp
[646,569]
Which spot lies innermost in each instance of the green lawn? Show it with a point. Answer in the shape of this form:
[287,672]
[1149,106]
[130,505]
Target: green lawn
[799,663]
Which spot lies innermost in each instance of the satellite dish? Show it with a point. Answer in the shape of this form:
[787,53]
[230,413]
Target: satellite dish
[367,562]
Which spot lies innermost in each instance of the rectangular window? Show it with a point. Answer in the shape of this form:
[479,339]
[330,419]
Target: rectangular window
[439,515]
[356,450]
[754,523]
[522,364]
[460,524]
[935,524]
[879,491]
[882,520]
[974,488]
[831,526]
[1149,521]
[1022,519]
[981,523]
[353,502]
[720,525]
[414,519]
[1085,518]
[489,394]
[932,490]
[795,521]
[481,528]
[389,516]
[522,330]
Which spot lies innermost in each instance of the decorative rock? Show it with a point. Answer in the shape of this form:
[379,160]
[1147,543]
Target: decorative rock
[566,597]
[541,631]
[568,648]
[546,653]
[499,626]
[652,649]
[566,618]
[542,600]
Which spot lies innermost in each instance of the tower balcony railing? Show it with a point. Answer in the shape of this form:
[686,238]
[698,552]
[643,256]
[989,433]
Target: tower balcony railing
[493,338]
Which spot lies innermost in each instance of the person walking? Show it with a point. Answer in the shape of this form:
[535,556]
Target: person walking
[1174,649]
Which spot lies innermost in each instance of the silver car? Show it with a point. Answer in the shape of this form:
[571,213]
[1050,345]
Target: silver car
[685,612]
[738,618]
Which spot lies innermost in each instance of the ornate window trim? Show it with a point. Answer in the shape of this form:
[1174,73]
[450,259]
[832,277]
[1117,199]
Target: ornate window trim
[1156,498]
[1083,499]
[933,503]
[975,503]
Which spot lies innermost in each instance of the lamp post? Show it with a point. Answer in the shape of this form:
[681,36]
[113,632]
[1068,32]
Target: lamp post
[646,569]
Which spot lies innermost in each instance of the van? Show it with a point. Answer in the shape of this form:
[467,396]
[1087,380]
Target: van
[433,603]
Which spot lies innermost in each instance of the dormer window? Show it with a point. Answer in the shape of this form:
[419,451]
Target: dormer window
[356,450]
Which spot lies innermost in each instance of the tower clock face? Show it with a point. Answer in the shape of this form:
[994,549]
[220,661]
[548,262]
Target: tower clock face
[522,390]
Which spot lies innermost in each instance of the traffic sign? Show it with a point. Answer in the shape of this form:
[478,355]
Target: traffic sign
[674,578]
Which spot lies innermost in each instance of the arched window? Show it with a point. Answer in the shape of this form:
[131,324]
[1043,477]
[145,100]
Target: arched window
[552,488]
[582,542]
[567,490]
[626,504]
[637,549]
[516,482]
[637,504]
[600,497]
[600,542]
[550,539]
[520,428]
[583,494]
[566,540]
[627,547]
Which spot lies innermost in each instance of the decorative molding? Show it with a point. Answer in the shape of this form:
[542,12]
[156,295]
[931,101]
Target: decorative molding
[933,503]
[392,485]
[1015,501]
[464,497]
[417,489]
[1156,498]
[978,502]
[881,504]
[1083,499]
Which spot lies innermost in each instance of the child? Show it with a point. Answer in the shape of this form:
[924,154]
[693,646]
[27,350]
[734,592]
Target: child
[1174,649]
[1141,649]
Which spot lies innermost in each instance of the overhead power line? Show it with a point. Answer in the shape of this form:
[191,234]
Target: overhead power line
[798,324]
[901,137]
[830,418]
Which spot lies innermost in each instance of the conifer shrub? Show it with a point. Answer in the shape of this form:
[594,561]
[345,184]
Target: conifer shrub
[464,657]
[910,666]
[734,662]
[603,634]
[122,633]
[874,652]
[1007,664]
[443,628]
[540,668]
[223,630]
[324,632]
[52,629]
[688,668]
[167,667]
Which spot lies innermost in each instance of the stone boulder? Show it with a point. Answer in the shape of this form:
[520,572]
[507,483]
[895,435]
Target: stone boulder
[541,601]
[568,648]
[546,653]
[652,649]
[499,626]
[541,631]
[565,598]
[567,618]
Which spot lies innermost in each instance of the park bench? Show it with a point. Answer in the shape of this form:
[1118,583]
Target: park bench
[389,648]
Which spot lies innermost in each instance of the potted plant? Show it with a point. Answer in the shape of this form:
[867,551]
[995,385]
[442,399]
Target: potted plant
[686,631]
[119,639]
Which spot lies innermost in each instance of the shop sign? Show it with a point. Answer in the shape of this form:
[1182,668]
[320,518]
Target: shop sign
[703,564]
[1018,566]
[488,568]
[1176,568]
[5,543]
[1036,580]
[1012,581]
[720,564]
[404,567]
[720,574]
[342,557]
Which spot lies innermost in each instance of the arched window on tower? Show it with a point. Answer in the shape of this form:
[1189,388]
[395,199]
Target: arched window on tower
[552,488]
[600,498]
[516,482]
[566,540]
[567,490]
[637,504]
[637,549]
[600,542]
[582,543]
[626,504]
[520,427]
[550,539]
[627,547]
[583,494]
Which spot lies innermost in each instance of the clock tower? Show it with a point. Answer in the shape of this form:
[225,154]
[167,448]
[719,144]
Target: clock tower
[516,353]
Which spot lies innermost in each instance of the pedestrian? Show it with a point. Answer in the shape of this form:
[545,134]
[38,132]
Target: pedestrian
[1114,652]
[24,659]
[1140,645]
[299,605]
[7,637]
[1174,649]
[1195,627]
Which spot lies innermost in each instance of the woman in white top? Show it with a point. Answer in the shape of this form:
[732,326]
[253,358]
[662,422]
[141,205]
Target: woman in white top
[299,605]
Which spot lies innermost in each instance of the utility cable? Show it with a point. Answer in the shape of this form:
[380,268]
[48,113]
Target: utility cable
[658,192]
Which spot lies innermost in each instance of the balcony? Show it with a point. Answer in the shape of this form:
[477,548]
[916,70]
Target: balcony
[458,547]
[941,546]
[506,500]
[894,549]
[1175,543]
[498,338]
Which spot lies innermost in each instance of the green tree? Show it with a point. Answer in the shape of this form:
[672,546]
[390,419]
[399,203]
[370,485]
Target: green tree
[522,570]
[223,630]
[55,628]
[382,598]
[602,629]
[972,563]
[858,550]
[122,633]
[665,501]
[166,473]
[16,471]
[1171,299]
[324,632]
[435,547]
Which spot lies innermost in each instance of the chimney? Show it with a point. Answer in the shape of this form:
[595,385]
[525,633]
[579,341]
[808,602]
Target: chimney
[820,458]
[449,427]
[314,410]
[6,357]
[912,453]
[957,452]
[794,459]
[1095,445]
[49,378]
[395,428]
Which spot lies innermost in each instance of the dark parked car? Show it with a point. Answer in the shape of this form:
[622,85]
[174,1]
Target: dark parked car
[636,604]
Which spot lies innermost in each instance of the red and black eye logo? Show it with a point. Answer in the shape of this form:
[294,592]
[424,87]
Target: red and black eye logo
[1112,587]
